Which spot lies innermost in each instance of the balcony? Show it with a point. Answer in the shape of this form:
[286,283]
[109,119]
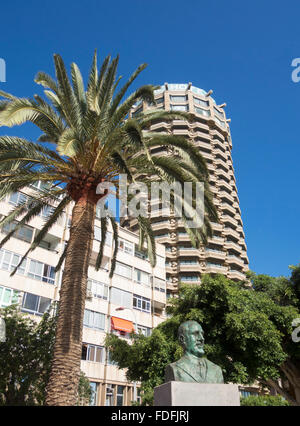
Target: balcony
[221,172]
[232,232]
[207,156]
[232,245]
[190,251]
[220,162]
[199,125]
[218,151]
[225,184]
[164,125]
[228,219]
[202,144]
[228,207]
[183,237]
[180,132]
[210,166]
[236,275]
[189,267]
[217,240]
[216,226]
[231,259]
[163,224]
[215,269]
[215,254]
[218,134]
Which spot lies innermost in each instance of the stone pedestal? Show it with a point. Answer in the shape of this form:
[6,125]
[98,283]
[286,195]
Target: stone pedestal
[196,394]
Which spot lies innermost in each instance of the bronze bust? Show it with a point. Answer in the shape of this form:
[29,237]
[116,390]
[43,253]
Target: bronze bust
[193,366]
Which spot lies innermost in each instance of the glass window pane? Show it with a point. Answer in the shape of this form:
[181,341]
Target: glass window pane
[30,301]
[92,353]
[44,304]
[98,354]
[7,296]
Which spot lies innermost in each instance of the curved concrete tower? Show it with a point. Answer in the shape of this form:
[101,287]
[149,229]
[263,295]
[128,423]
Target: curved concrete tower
[226,252]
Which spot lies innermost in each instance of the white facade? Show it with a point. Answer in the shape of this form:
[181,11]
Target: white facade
[136,287]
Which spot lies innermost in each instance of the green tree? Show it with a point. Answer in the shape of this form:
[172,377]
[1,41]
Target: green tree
[91,140]
[25,359]
[84,390]
[247,333]
[263,400]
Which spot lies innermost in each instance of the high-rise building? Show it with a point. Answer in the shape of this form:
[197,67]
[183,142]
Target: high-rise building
[226,252]
[133,299]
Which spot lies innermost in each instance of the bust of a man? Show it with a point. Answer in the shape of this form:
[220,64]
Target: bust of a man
[193,366]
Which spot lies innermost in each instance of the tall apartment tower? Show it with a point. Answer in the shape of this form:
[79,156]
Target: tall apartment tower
[226,252]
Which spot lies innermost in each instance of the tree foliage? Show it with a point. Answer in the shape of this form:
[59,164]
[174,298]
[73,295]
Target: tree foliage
[25,359]
[247,332]
[263,401]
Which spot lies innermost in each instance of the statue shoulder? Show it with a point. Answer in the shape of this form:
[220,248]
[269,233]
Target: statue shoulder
[211,365]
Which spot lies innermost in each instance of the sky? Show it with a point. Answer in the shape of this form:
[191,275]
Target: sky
[243,51]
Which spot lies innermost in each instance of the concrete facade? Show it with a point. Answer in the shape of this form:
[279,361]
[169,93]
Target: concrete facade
[226,252]
[135,286]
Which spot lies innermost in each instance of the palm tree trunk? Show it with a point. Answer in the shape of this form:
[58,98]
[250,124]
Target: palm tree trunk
[64,377]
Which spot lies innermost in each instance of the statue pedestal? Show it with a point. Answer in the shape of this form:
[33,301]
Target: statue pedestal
[196,394]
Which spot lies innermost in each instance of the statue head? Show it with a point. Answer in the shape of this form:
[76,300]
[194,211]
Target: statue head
[191,338]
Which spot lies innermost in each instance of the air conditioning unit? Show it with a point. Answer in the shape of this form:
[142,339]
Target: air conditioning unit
[89,295]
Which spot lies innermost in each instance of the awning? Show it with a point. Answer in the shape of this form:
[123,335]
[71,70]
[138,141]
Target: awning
[122,324]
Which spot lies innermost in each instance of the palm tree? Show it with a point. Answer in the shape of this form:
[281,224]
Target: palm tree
[89,139]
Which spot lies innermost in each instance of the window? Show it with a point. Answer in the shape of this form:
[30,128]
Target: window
[92,353]
[94,396]
[120,392]
[125,246]
[139,398]
[35,304]
[17,198]
[221,123]
[121,298]
[97,235]
[46,212]
[94,319]
[146,331]
[160,261]
[141,303]
[109,397]
[41,271]
[137,112]
[9,260]
[201,102]
[98,289]
[159,284]
[159,100]
[142,254]
[123,270]
[141,277]
[203,112]
[24,233]
[178,98]
[8,296]
[219,113]
[189,278]
[215,265]
[179,107]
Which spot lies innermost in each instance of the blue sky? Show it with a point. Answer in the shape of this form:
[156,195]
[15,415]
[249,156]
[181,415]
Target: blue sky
[241,50]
